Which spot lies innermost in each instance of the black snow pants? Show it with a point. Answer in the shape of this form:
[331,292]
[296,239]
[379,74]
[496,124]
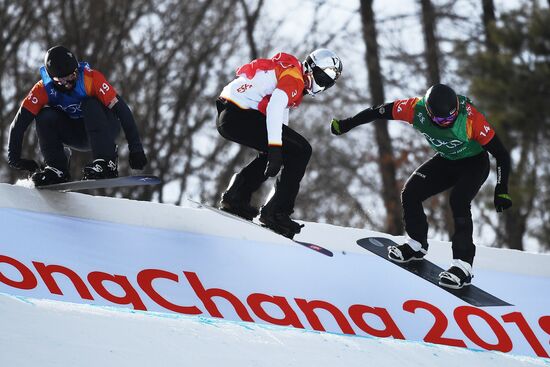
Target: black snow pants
[248,127]
[465,177]
[97,131]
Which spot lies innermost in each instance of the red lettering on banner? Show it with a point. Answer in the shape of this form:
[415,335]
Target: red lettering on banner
[391,329]
[290,318]
[308,308]
[28,280]
[528,333]
[544,323]
[131,297]
[435,335]
[205,295]
[504,344]
[363,316]
[45,272]
[145,280]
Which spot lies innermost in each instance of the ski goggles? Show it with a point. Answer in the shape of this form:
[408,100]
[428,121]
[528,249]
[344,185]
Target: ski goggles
[325,77]
[66,80]
[442,121]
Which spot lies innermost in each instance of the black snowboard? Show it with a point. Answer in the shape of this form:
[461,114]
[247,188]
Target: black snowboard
[311,246]
[102,184]
[430,272]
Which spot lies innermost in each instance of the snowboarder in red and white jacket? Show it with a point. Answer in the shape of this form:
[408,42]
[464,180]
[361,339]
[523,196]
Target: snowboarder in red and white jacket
[253,110]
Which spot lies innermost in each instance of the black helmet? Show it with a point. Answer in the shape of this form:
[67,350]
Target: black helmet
[441,104]
[60,62]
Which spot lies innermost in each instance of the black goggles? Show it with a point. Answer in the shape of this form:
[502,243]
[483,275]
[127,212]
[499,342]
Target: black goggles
[321,78]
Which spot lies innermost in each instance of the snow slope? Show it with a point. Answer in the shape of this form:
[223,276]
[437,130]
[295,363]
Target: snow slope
[187,285]
[49,333]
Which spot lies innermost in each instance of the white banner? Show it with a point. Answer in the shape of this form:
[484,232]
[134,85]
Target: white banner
[86,261]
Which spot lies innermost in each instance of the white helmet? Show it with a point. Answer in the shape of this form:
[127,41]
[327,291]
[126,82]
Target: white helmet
[321,68]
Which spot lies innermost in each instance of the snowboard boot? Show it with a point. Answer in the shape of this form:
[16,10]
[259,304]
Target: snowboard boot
[100,169]
[236,199]
[409,251]
[280,222]
[49,176]
[459,275]
[239,208]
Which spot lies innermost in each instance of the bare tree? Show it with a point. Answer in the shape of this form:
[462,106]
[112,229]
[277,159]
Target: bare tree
[164,58]
[386,161]
[489,22]
[432,57]
[18,19]
[430,41]
[521,126]
[184,63]
[77,24]
[251,17]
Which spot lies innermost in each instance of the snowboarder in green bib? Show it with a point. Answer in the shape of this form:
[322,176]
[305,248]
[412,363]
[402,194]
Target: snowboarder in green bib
[461,137]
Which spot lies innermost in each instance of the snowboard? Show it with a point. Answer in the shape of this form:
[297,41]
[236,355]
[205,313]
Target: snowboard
[311,246]
[430,272]
[102,184]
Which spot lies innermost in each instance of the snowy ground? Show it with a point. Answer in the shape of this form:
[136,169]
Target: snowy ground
[49,333]
[103,236]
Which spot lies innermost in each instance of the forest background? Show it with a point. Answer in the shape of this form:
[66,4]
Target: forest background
[170,59]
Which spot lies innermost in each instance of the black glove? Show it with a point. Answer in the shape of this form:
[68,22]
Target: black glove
[274,160]
[138,160]
[25,165]
[502,200]
[339,127]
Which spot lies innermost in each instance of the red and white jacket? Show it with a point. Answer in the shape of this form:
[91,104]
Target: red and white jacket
[271,86]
